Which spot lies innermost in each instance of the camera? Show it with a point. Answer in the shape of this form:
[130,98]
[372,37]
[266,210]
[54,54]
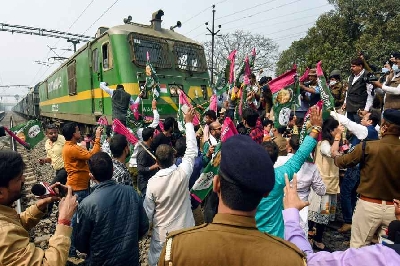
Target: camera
[370,77]
[307,83]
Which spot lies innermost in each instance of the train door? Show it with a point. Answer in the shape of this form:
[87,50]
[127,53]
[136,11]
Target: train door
[97,95]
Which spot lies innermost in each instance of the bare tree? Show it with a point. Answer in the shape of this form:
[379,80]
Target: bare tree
[243,42]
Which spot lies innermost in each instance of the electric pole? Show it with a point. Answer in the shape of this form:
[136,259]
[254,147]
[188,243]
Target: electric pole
[213,34]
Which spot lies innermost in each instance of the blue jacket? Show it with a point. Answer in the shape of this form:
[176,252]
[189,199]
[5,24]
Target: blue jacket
[110,223]
[269,216]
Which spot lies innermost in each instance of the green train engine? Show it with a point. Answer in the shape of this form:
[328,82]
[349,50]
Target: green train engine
[118,56]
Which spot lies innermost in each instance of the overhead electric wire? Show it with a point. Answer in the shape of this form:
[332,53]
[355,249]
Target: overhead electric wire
[201,12]
[55,45]
[249,16]
[115,2]
[234,13]
[280,17]
[260,12]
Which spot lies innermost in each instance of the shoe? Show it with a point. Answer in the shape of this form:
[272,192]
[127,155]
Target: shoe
[345,227]
[315,247]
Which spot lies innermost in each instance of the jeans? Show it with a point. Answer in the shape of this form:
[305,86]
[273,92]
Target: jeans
[81,194]
[348,194]
[61,176]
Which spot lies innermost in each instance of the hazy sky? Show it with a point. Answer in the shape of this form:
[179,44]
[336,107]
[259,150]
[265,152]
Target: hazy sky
[282,20]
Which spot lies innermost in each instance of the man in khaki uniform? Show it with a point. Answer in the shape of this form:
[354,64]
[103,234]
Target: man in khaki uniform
[232,238]
[379,180]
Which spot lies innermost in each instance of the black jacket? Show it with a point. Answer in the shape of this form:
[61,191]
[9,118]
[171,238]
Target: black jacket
[110,223]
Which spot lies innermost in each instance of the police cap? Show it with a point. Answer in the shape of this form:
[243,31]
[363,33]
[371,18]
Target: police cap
[392,116]
[247,164]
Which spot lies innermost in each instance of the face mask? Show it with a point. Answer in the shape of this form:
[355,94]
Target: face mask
[384,70]
[395,68]
[332,82]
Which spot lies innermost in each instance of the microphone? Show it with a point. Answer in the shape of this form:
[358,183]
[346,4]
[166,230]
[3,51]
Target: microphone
[42,190]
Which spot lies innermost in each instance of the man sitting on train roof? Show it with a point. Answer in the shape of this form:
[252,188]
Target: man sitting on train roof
[120,101]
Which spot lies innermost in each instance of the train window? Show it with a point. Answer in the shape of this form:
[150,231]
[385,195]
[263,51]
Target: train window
[107,56]
[157,48]
[71,69]
[95,60]
[190,57]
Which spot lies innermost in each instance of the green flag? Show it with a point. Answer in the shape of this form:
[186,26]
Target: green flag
[152,82]
[31,132]
[283,96]
[203,184]
[325,93]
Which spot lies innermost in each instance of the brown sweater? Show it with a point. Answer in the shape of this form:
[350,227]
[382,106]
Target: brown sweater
[379,177]
[75,163]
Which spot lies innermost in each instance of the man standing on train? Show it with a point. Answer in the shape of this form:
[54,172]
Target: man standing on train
[120,101]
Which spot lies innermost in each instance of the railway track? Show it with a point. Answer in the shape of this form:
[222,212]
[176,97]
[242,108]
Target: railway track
[40,234]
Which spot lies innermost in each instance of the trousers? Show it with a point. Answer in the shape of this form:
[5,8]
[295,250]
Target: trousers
[367,219]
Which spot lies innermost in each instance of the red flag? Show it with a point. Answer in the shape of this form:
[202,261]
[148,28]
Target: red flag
[183,101]
[135,110]
[305,75]
[283,80]
[119,128]
[20,141]
[213,103]
[228,129]
[231,58]
[103,121]
[247,71]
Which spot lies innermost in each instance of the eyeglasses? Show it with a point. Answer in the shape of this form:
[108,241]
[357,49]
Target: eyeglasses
[218,128]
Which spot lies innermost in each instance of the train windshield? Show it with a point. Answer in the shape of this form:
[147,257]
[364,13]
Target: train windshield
[190,57]
[157,48]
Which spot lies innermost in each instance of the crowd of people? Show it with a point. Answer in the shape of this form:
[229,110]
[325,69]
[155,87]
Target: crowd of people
[270,201]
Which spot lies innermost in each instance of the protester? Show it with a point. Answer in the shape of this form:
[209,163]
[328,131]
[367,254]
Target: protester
[75,162]
[308,177]
[120,101]
[379,182]
[120,151]
[337,89]
[359,94]
[392,85]
[378,255]
[167,201]
[364,131]
[280,140]
[105,146]
[209,117]
[268,126]
[232,237]
[269,212]
[253,125]
[146,164]
[53,146]
[16,248]
[233,99]
[212,142]
[133,160]
[311,91]
[165,137]
[322,210]
[111,220]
